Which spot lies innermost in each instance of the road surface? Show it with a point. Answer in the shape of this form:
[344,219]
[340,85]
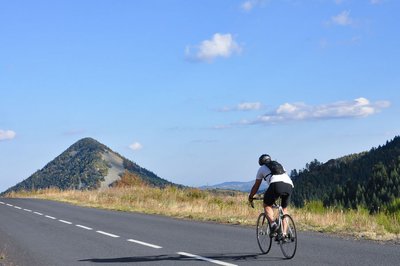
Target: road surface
[40,232]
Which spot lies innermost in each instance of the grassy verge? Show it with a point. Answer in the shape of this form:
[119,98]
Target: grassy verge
[356,223]
[223,207]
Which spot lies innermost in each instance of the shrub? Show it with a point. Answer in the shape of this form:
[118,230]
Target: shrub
[389,222]
[394,208]
[314,207]
[195,194]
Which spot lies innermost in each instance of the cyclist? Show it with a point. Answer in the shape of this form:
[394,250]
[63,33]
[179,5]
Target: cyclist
[279,185]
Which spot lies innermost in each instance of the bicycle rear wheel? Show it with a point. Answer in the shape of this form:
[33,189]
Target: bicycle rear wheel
[288,242]
[263,231]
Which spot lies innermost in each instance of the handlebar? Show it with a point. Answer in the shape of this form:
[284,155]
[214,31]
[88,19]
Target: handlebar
[251,202]
[274,206]
[258,198]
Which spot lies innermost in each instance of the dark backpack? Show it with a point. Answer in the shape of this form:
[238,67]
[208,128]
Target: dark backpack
[275,167]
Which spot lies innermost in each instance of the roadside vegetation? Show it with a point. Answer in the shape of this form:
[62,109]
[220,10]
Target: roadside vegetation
[132,194]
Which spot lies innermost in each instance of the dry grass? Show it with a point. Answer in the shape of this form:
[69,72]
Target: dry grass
[170,201]
[354,223]
[224,207]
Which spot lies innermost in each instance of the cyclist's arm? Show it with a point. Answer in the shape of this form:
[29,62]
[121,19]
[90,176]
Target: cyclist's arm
[255,188]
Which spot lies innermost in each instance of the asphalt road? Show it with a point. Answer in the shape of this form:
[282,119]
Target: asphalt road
[39,232]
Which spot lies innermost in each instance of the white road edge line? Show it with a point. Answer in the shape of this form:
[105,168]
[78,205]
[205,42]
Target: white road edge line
[84,227]
[206,259]
[107,234]
[27,210]
[50,217]
[38,213]
[66,222]
[143,243]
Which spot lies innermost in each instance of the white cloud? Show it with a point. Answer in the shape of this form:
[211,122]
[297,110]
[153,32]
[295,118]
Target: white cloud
[342,19]
[358,108]
[136,146]
[220,45]
[245,106]
[222,127]
[248,5]
[7,134]
[249,106]
[251,4]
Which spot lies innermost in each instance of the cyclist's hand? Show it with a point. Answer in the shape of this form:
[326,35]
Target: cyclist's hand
[251,202]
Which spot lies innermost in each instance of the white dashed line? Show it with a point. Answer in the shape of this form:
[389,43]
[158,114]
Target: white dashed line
[84,227]
[206,259]
[129,240]
[66,222]
[107,234]
[143,243]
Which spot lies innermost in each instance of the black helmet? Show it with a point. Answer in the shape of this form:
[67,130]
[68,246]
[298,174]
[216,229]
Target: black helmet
[265,158]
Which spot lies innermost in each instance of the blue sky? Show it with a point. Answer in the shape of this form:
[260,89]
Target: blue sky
[195,91]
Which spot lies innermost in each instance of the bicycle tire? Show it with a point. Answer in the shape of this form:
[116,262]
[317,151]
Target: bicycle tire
[289,243]
[263,233]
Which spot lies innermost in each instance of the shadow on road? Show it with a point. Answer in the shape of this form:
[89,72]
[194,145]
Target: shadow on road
[248,258]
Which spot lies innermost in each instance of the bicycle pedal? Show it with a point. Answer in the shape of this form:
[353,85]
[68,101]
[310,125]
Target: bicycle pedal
[279,237]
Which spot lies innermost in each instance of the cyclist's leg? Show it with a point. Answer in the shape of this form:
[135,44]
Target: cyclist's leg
[269,199]
[284,204]
[285,190]
[270,213]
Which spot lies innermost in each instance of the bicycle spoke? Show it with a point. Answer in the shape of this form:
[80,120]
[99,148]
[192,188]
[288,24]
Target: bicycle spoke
[263,230]
[288,243]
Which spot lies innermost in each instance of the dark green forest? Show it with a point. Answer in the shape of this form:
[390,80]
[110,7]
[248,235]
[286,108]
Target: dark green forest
[369,179]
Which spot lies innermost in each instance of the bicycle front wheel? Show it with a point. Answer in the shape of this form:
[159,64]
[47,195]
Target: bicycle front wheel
[263,231]
[288,242]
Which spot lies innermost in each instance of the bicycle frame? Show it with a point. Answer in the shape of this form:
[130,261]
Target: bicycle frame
[274,206]
[279,218]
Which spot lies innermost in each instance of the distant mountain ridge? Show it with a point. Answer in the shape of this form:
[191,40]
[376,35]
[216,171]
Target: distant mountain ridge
[87,164]
[239,186]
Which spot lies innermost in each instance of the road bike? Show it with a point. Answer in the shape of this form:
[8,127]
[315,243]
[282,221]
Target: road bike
[285,234]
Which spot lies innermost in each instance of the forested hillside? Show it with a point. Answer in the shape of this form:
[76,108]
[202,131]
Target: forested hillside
[85,165]
[369,179]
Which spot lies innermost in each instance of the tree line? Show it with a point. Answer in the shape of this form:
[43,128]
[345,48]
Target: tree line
[370,180]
